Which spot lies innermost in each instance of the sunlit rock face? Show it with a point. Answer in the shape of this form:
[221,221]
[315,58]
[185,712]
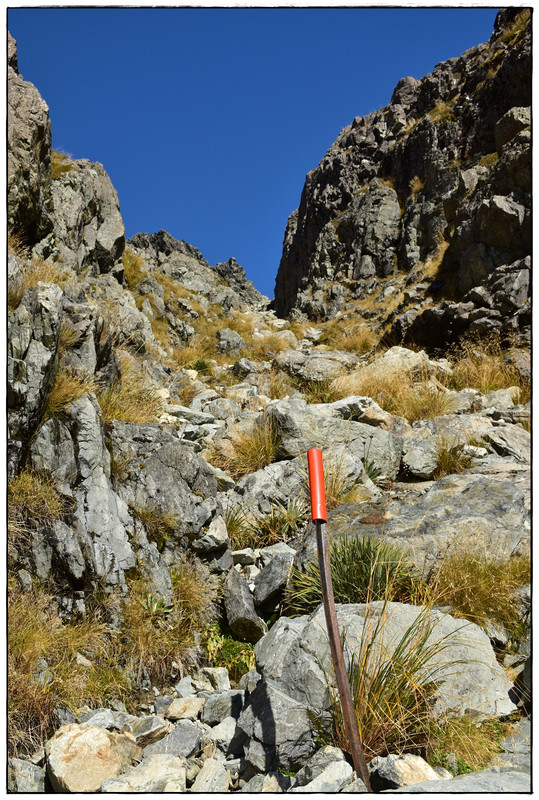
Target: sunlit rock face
[418,216]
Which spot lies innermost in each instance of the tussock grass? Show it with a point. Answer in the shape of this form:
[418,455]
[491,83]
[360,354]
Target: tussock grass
[393,694]
[396,392]
[132,398]
[479,364]
[43,671]
[515,29]
[480,588]
[261,530]
[318,391]
[33,503]
[67,386]
[239,527]
[349,335]
[472,745]
[280,385]
[362,569]
[156,632]
[34,271]
[17,244]
[69,337]
[158,524]
[416,184]
[451,458]
[134,269]
[250,449]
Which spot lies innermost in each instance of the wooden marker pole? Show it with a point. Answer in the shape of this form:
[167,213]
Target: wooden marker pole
[319,517]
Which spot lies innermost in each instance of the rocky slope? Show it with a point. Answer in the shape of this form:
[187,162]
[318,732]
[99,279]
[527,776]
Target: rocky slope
[418,216]
[136,373]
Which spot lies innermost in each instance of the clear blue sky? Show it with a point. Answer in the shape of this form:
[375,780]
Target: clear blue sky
[208,120]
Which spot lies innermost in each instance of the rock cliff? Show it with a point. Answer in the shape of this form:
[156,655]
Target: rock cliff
[417,219]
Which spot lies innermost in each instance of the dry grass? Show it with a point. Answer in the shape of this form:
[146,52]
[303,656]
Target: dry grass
[44,672]
[349,335]
[280,385]
[396,392]
[60,164]
[69,337]
[38,642]
[33,503]
[516,27]
[132,398]
[134,269]
[451,458]
[472,745]
[34,271]
[249,450]
[158,524]
[155,632]
[480,588]
[416,184]
[480,365]
[393,696]
[318,391]
[67,386]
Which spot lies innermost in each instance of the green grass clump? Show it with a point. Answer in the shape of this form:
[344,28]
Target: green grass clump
[261,530]
[362,569]
[224,651]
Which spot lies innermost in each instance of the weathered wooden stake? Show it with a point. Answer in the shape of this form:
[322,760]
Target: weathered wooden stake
[319,517]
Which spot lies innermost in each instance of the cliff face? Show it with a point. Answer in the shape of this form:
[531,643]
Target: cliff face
[418,216]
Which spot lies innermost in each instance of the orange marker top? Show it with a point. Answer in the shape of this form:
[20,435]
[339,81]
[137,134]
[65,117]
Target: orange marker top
[316,483]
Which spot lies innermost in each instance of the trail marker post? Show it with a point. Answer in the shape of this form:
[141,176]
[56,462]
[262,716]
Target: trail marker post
[319,517]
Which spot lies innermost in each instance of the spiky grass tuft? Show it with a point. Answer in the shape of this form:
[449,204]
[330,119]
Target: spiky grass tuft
[362,569]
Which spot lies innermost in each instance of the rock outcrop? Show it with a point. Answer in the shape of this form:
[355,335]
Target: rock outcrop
[418,216]
[29,179]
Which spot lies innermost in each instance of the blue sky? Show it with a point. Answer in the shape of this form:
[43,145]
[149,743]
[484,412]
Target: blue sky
[208,119]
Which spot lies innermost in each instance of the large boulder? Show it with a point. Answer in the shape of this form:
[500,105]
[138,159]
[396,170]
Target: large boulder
[315,366]
[80,759]
[301,426]
[493,780]
[157,773]
[162,476]
[294,661]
